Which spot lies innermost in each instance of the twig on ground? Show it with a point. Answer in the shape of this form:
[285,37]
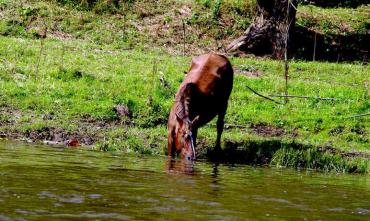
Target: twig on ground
[304,97]
[184,36]
[314,48]
[236,126]
[358,115]
[286,63]
[61,62]
[270,99]
[42,34]
[39,58]
[230,126]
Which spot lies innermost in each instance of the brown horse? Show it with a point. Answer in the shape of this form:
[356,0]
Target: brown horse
[202,95]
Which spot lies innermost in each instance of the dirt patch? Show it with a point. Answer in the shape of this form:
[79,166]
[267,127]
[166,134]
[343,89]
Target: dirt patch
[89,130]
[251,74]
[268,130]
[336,131]
[354,154]
[294,133]
[49,135]
[248,70]
[9,116]
[60,35]
[122,111]
[53,135]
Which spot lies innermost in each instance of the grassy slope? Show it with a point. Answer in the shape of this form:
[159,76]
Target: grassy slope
[148,24]
[336,21]
[79,81]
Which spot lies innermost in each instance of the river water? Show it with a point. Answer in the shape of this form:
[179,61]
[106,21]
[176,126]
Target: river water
[39,182]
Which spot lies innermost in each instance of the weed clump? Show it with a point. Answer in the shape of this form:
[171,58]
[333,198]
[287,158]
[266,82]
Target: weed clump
[71,75]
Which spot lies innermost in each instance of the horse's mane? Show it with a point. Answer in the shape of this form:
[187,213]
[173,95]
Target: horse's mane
[183,99]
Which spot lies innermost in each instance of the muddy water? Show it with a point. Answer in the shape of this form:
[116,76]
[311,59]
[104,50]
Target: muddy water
[49,183]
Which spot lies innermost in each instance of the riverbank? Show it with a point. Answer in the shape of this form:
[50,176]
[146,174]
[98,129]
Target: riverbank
[116,99]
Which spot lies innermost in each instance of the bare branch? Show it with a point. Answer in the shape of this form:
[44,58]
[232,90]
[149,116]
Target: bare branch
[270,99]
[304,97]
[359,115]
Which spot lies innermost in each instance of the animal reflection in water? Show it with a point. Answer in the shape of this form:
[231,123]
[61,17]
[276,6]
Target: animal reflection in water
[202,95]
[180,166]
[176,166]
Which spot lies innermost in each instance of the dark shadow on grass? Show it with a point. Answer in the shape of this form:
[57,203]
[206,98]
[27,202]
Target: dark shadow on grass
[288,154]
[336,3]
[249,152]
[329,47]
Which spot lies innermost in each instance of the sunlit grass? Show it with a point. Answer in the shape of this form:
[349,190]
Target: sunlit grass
[92,61]
[78,80]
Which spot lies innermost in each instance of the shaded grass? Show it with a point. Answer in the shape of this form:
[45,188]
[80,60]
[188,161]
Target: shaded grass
[284,153]
[312,158]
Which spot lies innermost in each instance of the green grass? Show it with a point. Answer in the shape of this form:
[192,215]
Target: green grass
[80,82]
[146,24]
[337,21]
[133,24]
[94,60]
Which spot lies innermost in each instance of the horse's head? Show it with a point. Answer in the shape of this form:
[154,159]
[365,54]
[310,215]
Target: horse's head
[184,139]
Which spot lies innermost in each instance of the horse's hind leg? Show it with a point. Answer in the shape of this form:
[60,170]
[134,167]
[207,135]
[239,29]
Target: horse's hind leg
[220,128]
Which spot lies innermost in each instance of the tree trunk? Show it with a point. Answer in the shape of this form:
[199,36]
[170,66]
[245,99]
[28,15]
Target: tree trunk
[268,32]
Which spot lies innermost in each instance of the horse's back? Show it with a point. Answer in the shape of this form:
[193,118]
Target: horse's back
[212,73]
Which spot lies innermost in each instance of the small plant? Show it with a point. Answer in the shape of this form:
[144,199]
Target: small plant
[216,9]
[206,3]
[103,6]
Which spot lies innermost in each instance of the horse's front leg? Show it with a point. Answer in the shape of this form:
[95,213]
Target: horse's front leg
[170,145]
